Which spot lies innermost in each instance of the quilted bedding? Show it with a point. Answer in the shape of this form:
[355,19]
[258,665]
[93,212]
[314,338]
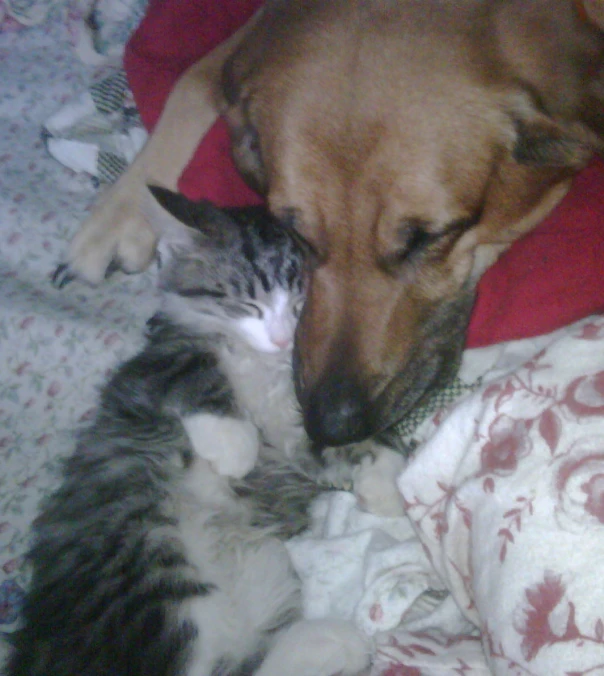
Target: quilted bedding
[494,569]
[56,347]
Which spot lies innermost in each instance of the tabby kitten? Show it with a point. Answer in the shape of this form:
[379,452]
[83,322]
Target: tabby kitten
[147,560]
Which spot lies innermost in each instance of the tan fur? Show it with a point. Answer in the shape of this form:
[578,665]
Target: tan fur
[372,125]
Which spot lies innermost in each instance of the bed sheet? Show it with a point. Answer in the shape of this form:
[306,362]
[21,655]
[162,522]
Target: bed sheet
[56,347]
[501,479]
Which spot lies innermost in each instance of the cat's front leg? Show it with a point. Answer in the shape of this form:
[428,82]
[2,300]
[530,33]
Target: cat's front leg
[370,470]
[374,482]
[318,648]
[229,444]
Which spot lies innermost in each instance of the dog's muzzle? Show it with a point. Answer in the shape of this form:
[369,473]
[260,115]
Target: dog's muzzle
[341,407]
[338,412]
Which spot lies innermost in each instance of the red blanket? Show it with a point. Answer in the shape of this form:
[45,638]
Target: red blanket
[550,278]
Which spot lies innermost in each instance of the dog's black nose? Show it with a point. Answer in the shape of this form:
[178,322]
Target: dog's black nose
[337,412]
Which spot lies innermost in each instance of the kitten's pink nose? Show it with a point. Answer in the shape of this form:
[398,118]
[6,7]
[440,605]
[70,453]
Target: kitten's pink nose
[282,342]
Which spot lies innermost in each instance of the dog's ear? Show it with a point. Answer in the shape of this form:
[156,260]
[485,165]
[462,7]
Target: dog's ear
[539,141]
[552,52]
[593,11]
[542,155]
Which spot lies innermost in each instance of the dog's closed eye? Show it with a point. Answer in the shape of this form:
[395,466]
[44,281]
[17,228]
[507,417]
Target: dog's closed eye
[413,237]
[416,236]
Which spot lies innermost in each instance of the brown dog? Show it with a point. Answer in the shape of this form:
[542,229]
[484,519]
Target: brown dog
[408,143]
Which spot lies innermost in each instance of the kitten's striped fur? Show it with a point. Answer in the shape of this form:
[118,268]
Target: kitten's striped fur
[147,562]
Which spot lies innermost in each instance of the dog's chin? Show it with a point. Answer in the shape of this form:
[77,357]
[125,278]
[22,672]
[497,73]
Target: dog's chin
[415,386]
[352,420]
[341,409]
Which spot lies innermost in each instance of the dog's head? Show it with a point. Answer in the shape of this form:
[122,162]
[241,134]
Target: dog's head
[408,144]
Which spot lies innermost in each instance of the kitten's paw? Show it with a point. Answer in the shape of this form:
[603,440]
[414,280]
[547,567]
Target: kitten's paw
[230,446]
[115,234]
[318,648]
[341,461]
[374,482]
[337,474]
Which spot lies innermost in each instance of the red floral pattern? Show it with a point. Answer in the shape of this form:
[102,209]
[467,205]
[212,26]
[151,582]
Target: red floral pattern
[508,498]
[594,490]
[508,442]
[542,600]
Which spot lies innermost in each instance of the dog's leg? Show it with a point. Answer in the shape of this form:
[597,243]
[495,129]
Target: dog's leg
[115,233]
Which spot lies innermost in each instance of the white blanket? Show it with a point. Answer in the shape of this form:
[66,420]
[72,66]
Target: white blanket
[504,530]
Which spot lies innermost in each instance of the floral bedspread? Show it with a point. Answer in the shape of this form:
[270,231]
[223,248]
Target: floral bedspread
[507,496]
[55,346]
[496,566]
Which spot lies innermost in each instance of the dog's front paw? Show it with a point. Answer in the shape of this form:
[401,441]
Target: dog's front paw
[63,274]
[115,235]
[375,482]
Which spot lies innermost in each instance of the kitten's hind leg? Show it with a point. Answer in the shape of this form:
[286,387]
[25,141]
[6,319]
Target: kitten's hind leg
[255,593]
[318,648]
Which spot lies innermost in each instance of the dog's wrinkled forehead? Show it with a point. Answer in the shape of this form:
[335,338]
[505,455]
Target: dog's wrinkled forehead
[393,112]
[410,132]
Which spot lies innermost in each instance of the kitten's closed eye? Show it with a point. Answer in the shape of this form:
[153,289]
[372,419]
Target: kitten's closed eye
[271,324]
[199,291]
[254,309]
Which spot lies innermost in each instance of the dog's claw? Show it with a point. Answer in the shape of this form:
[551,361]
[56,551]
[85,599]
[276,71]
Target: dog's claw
[112,268]
[62,276]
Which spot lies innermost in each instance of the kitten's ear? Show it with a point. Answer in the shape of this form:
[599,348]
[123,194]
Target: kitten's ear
[167,213]
[179,222]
